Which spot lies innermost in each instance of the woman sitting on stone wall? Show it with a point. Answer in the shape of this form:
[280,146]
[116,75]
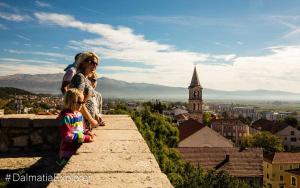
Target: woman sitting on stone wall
[88,61]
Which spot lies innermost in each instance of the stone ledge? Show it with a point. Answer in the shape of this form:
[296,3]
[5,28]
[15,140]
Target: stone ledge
[118,157]
[130,180]
[28,120]
[112,162]
[111,146]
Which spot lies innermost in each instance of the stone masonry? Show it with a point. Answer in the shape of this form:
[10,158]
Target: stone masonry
[118,157]
[28,133]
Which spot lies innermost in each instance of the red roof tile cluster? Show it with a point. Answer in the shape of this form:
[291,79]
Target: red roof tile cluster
[240,163]
[188,128]
[267,125]
[283,158]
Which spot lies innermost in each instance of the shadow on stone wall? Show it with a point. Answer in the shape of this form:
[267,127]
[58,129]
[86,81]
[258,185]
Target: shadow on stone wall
[47,164]
[29,147]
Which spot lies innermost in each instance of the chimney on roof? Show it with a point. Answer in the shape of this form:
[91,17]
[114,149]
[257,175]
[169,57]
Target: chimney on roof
[226,160]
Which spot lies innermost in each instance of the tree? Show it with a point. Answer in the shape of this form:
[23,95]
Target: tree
[290,120]
[162,138]
[207,117]
[245,120]
[265,140]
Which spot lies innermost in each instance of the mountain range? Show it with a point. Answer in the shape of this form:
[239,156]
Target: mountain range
[111,88]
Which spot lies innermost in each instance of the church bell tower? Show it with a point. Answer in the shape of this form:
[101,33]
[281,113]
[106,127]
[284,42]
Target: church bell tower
[195,98]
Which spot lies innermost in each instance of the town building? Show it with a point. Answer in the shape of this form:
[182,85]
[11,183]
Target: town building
[245,164]
[194,134]
[274,116]
[180,115]
[195,98]
[236,111]
[275,167]
[232,129]
[292,178]
[290,136]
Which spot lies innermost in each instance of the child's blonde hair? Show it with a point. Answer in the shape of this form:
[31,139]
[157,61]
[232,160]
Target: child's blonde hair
[71,98]
[93,74]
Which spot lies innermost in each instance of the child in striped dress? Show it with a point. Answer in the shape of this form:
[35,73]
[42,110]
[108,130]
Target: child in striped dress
[72,128]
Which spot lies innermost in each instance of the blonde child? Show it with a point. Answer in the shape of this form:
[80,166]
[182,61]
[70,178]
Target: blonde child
[72,128]
[95,101]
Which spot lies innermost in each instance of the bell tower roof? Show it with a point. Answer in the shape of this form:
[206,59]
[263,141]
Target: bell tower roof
[195,80]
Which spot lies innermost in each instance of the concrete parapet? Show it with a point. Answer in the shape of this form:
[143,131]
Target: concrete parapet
[118,157]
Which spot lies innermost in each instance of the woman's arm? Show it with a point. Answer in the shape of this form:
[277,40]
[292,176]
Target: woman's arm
[79,82]
[88,116]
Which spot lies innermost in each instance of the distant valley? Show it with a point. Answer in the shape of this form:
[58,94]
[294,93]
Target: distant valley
[111,88]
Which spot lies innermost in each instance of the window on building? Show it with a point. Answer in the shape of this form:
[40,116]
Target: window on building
[293,139]
[293,181]
[194,106]
[281,186]
[292,132]
[267,176]
[280,167]
[285,138]
[281,178]
[198,107]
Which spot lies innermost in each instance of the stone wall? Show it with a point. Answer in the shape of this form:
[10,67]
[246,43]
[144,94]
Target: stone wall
[28,133]
[118,156]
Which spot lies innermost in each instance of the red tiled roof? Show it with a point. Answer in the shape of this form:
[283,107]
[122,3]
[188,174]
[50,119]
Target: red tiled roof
[188,128]
[283,158]
[267,125]
[241,163]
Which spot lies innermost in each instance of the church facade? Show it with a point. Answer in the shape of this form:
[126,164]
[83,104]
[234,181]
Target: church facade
[195,98]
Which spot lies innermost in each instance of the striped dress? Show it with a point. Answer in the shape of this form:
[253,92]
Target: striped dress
[72,131]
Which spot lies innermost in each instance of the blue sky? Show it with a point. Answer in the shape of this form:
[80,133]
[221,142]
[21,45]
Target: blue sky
[234,44]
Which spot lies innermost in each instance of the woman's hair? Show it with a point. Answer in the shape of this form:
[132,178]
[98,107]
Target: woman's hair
[93,75]
[71,98]
[83,60]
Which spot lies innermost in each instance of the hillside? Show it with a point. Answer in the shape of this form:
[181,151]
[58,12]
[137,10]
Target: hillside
[110,88]
[6,91]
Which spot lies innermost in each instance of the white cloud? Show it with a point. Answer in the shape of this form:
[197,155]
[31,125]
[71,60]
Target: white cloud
[278,69]
[4,5]
[10,66]
[49,54]
[192,21]
[23,37]
[42,4]
[14,17]
[127,69]
[239,42]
